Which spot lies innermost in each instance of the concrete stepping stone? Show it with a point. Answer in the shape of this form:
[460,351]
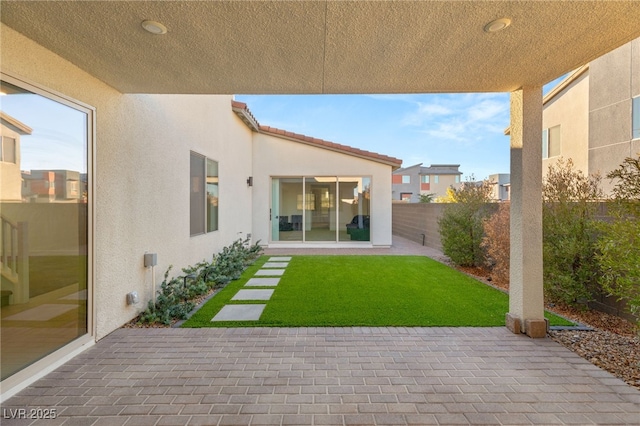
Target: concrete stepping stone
[262,282]
[279,259]
[239,313]
[269,273]
[253,294]
[275,265]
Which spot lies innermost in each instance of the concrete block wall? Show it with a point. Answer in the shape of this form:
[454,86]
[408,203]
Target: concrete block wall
[412,220]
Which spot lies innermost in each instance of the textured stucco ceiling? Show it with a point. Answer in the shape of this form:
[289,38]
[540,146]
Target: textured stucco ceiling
[325,46]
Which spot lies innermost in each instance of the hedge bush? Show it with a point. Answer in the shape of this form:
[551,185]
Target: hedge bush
[619,245]
[570,233]
[174,301]
[461,223]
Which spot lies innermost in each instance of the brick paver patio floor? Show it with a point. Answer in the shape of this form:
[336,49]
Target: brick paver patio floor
[328,376]
[324,376]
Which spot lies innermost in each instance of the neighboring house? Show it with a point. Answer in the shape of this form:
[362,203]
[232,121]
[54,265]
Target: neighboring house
[181,176]
[411,182]
[501,186]
[10,176]
[593,115]
[51,186]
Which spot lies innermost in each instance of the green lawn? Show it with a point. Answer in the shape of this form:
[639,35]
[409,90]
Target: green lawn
[368,291]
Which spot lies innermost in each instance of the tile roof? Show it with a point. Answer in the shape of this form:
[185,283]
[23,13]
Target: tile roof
[242,111]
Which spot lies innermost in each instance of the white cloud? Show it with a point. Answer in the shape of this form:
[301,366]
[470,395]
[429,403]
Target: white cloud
[466,117]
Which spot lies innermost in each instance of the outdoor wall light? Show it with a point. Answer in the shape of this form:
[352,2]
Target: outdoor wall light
[154,27]
[497,25]
[250,181]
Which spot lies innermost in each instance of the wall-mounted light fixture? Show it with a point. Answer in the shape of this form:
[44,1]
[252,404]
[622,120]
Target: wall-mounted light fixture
[250,181]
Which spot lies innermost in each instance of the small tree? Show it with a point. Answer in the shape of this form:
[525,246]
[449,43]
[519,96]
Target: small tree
[619,245]
[496,243]
[427,198]
[569,233]
[448,197]
[460,226]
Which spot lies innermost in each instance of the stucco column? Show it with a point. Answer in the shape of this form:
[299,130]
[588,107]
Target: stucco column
[526,303]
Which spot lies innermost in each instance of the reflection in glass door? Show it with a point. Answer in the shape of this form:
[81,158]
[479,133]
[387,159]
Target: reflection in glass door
[44,193]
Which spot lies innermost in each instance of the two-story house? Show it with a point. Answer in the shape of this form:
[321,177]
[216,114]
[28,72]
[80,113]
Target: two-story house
[410,182]
[593,115]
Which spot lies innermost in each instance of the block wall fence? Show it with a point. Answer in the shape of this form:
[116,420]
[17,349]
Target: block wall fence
[418,222]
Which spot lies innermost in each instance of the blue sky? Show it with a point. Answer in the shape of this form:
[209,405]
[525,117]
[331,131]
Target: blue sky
[62,130]
[465,129]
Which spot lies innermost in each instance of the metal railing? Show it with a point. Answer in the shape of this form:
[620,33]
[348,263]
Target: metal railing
[14,258]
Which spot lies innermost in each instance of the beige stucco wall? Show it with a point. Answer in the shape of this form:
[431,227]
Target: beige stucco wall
[570,110]
[278,157]
[142,175]
[615,80]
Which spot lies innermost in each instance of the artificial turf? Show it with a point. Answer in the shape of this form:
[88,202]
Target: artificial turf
[348,291]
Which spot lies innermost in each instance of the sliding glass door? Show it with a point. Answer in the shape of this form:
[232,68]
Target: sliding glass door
[44,206]
[320,209]
[286,209]
[320,213]
[355,208]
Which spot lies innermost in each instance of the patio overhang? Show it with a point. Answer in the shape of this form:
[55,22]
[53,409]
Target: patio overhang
[431,46]
[236,47]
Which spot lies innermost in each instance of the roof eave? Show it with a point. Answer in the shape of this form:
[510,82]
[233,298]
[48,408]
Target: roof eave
[242,111]
[330,146]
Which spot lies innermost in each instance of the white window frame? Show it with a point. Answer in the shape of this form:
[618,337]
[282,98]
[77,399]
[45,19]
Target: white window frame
[3,149]
[203,186]
[407,180]
[547,142]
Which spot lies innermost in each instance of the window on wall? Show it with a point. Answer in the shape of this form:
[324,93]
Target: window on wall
[204,194]
[457,178]
[7,149]
[406,179]
[551,142]
[436,179]
[424,178]
[635,121]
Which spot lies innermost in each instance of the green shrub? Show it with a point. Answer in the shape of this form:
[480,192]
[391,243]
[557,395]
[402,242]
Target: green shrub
[427,198]
[173,302]
[569,233]
[461,229]
[619,244]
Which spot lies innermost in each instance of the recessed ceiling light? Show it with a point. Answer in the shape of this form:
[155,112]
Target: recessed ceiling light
[154,27]
[497,25]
